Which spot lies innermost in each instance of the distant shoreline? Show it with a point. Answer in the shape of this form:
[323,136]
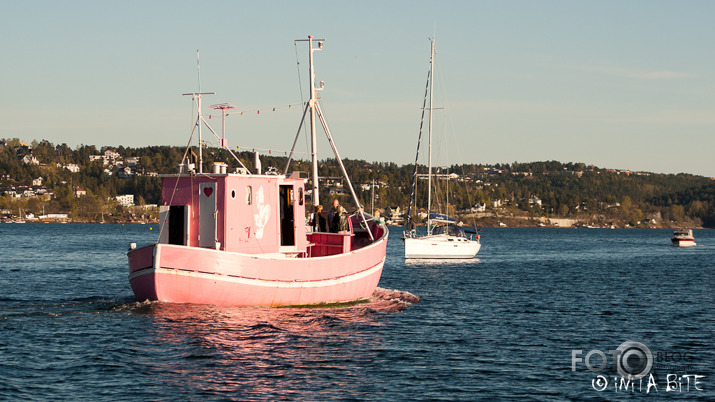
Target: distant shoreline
[520,225]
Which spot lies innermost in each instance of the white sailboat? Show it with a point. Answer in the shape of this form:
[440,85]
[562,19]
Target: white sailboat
[444,239]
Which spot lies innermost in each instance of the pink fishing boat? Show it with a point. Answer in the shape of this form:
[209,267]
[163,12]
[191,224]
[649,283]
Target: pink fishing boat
[240,239]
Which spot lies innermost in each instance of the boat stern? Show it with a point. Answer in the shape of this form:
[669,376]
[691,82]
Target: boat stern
[141,272]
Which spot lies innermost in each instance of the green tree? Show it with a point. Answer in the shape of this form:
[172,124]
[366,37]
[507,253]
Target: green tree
[563,210]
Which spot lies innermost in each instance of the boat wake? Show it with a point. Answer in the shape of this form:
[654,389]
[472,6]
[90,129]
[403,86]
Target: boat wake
[384,300]
[26,308]
[392,300]
[239,328]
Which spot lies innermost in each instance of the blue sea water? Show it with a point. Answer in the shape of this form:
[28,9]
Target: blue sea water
[502,326]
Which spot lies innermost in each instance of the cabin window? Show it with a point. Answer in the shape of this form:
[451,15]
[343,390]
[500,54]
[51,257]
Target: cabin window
[249,195]
[233,194]
[300,195]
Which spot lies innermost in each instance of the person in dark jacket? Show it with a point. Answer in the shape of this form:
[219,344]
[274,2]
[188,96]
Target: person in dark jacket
[334,216]
[320,224]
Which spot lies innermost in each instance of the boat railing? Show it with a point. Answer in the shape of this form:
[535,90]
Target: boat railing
[322,244]
[367,230]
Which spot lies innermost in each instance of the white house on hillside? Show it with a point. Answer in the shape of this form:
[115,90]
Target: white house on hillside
[112,155]
[479,208]
[30,160]
[126,200]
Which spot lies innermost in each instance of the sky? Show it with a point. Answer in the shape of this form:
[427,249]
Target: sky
[617,84]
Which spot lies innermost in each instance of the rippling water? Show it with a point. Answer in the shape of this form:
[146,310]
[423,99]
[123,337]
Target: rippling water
[500,326]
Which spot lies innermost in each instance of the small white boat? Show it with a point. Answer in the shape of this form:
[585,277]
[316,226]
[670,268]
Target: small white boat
[683,238]
[449,241]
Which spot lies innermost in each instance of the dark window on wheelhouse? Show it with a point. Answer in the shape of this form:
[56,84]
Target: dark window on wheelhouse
[177,224]
[287,216]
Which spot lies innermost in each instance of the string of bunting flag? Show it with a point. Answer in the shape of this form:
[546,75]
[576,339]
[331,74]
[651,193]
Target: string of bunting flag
[268,151]
[265,151]
[259,110]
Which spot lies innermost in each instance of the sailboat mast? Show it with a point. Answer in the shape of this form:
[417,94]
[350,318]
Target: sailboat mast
[313,127]
[372,196]
[429,158]
[417,152]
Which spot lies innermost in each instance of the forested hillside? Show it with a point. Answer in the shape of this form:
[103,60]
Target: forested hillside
[42,178]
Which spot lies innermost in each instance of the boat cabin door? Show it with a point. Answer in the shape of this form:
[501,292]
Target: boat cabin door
[287,216]
[207,215]
[174,224]
[178,228]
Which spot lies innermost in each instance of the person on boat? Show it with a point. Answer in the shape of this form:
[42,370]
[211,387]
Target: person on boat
[334,213]
[310,219]
[319,222]
[342,219]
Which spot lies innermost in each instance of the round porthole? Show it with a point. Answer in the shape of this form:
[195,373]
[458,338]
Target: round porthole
[233,194]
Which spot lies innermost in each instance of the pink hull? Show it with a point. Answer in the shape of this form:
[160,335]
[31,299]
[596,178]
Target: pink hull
[204,276]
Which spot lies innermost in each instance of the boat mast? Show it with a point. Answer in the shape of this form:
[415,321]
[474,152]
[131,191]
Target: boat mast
[201,145]
[429,172]
[372,202]
[313,128]
[417,152]
[197,99]
[315,111]
[311,106]
[198,121]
